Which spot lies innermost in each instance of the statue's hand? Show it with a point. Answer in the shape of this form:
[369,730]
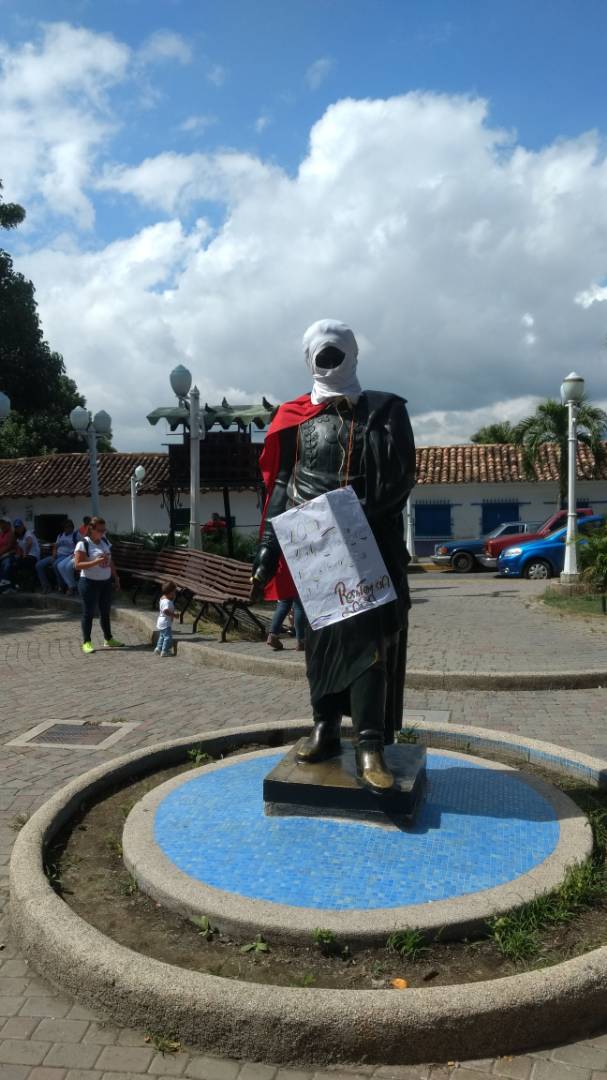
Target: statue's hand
[257,588]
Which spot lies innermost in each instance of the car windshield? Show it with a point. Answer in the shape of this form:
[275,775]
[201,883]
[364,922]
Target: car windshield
[500,529]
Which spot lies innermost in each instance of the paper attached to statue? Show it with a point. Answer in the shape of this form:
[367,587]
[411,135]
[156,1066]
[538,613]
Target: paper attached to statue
[333,558]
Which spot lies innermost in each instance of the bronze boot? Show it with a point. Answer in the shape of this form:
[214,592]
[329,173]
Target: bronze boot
[371,769]
[322,743]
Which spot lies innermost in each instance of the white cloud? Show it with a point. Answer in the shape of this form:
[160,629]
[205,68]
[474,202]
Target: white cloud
[262,122]
[317,72]
[438,238]
[440,428]
[197,124]
[54,117]
[217,75]
[174,181]
[165,45]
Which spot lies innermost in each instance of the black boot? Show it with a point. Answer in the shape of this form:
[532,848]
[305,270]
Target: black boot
[322,742]
[371,768]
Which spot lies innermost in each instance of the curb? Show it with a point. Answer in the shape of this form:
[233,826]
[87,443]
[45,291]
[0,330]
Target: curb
[228,658]
[284,1024]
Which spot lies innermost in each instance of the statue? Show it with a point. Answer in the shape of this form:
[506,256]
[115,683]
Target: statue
[340,435]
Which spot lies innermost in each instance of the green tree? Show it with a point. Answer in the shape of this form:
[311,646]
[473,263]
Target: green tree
[503,432]
[32,375]
[550,424]
[11,214]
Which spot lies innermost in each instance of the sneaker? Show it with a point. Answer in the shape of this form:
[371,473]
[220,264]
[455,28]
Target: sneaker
[88,647]
[111,643]
[166,654]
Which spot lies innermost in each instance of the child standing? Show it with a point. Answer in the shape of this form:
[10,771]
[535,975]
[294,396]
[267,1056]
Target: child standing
[164,622]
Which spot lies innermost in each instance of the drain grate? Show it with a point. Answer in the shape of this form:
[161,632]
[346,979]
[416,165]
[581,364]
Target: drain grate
[73,735]
[87,735]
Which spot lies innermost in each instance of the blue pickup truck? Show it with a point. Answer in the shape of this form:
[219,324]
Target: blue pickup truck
[463,555]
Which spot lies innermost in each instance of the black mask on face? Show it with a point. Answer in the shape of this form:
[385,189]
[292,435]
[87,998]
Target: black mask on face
[329,357]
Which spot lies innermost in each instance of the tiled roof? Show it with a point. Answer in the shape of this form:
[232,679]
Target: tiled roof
[494,463]
[68,474]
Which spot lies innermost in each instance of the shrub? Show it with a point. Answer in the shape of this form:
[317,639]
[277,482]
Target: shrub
[593,560]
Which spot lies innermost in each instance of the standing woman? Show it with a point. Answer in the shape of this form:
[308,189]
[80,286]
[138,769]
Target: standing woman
[93,559]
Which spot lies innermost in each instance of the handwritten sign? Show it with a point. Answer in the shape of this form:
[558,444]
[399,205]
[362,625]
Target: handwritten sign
[333,557]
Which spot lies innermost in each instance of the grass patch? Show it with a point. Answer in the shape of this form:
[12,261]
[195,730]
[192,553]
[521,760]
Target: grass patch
[584,604]
[408,943]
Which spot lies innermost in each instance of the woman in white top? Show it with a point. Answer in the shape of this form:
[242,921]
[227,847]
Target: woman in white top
[93,559]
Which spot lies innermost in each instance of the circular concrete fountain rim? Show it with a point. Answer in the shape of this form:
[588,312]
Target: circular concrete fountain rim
[287,1024]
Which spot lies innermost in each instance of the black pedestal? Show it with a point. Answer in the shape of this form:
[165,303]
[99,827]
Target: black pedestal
[331,787]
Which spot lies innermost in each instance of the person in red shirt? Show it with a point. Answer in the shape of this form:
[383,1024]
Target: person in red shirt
[7,547]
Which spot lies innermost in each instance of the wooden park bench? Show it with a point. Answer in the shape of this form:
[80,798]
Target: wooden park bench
[204,579]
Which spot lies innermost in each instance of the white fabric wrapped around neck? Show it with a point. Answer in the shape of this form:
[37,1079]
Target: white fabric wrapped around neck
[340,381]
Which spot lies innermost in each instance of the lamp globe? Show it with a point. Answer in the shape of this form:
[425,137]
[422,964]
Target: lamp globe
[139,473]
[572,388]
[181,381]
[80,418]
[102,422]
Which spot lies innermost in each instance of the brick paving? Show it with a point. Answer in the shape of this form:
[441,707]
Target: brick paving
[43,676]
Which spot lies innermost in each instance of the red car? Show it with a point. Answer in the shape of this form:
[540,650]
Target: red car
[555,521]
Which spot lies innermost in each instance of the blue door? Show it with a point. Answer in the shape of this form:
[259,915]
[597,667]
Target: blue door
[496,512]
[433,520]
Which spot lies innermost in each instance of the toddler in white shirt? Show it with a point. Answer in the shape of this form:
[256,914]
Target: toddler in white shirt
[164,622]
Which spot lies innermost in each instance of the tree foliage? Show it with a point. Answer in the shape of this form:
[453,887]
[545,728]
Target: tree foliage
[593,560]
[32,375]
[503,432]
[550,424]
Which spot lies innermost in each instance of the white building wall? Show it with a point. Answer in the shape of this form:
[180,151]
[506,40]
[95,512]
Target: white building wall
[151,515]
[536,502]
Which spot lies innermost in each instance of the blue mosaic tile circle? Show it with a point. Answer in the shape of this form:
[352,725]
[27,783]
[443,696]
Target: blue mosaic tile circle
[478,828]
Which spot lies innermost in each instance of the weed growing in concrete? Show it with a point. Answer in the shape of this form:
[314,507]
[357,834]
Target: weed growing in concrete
[258,945]
[326,941]
[204,926]
[305,980]
[198,757]
[163,1044]
[408,734]
[408,943]
[129,886]
[516,934]
[114,845]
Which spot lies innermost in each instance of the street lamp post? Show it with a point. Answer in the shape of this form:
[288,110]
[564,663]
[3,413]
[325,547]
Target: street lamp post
[89,428]
[410,538]
[189,396]
[136,480]
[572,392]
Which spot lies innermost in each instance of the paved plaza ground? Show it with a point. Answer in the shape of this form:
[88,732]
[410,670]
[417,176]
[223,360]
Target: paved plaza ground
[471,623]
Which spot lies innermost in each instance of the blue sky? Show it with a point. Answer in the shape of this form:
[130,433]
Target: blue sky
[203,179]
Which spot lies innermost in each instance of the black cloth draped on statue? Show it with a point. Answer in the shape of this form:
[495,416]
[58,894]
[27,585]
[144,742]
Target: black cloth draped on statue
[369,445]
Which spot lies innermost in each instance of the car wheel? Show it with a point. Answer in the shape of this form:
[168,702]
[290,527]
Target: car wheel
[537,570]
[462,562]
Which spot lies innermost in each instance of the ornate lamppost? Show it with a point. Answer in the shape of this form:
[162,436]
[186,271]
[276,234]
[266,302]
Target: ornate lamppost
[89,428]
[189,398]
[572,392]
[136,481]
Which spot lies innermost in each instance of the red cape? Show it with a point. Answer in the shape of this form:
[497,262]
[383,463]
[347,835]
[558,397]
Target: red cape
[291,414]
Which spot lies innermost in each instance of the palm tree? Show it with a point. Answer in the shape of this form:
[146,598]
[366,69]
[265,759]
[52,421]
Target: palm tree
[502,432]
[550,424]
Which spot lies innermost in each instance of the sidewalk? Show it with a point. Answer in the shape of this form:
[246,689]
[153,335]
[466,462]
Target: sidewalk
[44,676]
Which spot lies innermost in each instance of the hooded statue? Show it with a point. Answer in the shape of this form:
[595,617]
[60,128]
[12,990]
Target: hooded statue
[337,435]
